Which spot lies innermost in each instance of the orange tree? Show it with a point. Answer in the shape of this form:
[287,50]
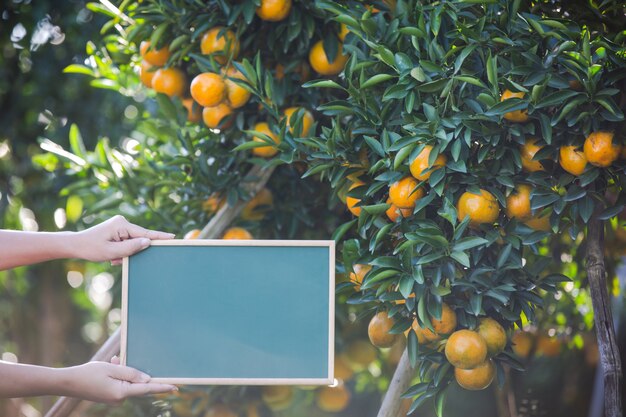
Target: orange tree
[464,138]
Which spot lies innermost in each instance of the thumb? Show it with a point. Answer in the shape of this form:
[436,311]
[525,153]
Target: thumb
[128,247]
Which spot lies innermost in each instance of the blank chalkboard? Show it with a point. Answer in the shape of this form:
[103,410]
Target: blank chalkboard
[230,312]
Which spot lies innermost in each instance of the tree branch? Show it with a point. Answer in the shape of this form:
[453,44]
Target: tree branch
[399,384]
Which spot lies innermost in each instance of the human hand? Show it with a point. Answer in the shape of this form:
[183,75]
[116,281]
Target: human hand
[115,239]
[110,383]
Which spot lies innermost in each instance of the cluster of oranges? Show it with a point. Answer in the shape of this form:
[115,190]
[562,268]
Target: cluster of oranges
[469,351]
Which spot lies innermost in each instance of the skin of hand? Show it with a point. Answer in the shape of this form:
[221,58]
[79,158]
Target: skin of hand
[108,241]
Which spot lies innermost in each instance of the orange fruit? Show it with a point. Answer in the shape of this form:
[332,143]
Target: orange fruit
[221,42]
[522,343]
[343,32]
[419,332]
[447,323]
[273,10]
[342,369]
[394,213]
[146,73]
[194,115]
[333,399]
[494,335]
[420,164]
[477,378]
[277,397]
[237,233]
[237,95]
[169,81]
[600,149]
[352,202]
[527,153]
[220,410]
[517,116]
[208,89]
[320,62]
[518,203]
[213,116]
[361,353]
[481,208]
[258,205]
[156,57]
[548,346]
[466,349]
[404,193]
[213,203]
[572,160]
[378,330]
[192,234]
[541,223]
[279,71]
[265,151]
[359,273]
[307,121]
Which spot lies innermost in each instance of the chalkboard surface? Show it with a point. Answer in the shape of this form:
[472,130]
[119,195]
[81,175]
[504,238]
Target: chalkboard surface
[230,312]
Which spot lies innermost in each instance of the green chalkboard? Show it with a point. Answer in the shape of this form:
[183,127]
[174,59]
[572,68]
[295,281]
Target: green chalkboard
[230,312]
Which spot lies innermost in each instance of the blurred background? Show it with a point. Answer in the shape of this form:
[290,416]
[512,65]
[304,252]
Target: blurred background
[59,313]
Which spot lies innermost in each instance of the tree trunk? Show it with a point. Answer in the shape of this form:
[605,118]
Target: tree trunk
[399,384]
[603,318]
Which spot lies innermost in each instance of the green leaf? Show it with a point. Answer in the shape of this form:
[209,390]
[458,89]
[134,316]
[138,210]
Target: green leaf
[433,86]
[376,79]
[323,84]
[469,243]
[78,69]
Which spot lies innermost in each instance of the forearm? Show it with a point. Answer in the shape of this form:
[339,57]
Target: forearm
[25,248]
[19,380]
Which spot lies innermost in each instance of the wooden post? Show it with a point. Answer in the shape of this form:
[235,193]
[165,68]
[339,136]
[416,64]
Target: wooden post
[399,384]
[255,181]
[603,318]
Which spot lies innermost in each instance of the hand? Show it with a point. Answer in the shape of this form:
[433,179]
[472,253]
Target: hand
[115,239]
[110,383]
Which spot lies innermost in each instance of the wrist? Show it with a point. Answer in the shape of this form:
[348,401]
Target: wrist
[70,245]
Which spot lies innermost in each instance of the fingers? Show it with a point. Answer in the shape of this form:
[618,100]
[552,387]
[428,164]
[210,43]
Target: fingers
[138,231]
[128,374]
[115,262]
[115,360]
[128,247]
[133,390]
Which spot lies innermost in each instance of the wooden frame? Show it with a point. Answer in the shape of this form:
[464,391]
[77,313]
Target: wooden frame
[330,244]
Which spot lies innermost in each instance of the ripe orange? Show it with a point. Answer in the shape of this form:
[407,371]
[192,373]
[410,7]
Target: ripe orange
[361,353]
[394,213]
[378,330]
[404,193]
[221,42]
[420,164]
[466,349]
[481,208]
[343,32]
[517,116]
[548,346]
[208,89]
[494,335]
[237,95]
[447,323]
[359,273]
[213,203]
[277,397]
[258,205]
[265,151]
[419,332]
[342,369]
[518,203]
[538,222]
[237,233]
[194,115]
[146,73]
[572,160]
[522,343]
[170,81]
[220,410]
[600,149]
[213,116]
[352,202]
[320,62]
[307,121]
[156,57]
[477,378]
[273,10]
[192,234]
[527,153]
[333,399]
